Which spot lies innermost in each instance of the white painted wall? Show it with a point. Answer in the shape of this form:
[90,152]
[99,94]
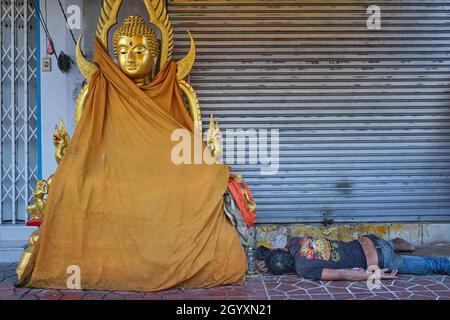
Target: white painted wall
[58,90]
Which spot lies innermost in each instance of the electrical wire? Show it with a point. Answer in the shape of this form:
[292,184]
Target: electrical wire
[64,61]
[43,23]
[67,22]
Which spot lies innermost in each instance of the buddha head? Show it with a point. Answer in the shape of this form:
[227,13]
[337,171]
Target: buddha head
[136,49]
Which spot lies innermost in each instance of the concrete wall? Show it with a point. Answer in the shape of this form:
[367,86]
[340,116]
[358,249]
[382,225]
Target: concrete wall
[276,235]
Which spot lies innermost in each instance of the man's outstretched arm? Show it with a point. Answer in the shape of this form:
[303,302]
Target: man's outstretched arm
[354,275]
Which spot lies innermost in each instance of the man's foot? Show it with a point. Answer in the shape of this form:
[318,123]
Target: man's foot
[402,245]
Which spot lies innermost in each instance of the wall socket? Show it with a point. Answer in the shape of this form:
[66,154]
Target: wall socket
[46,65]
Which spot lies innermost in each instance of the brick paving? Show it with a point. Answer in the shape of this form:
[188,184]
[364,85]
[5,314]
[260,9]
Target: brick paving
[261,287]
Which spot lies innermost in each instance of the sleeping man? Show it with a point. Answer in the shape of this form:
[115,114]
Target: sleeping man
[324,259]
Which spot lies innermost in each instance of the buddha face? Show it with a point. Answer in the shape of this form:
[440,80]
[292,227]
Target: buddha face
[134,57]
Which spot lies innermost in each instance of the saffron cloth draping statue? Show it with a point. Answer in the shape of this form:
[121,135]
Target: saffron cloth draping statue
[118,208]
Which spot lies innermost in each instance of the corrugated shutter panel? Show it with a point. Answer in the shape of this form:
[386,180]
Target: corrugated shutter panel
[363,114]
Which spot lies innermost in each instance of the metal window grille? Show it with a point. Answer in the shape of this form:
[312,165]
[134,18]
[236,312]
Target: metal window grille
[18,114]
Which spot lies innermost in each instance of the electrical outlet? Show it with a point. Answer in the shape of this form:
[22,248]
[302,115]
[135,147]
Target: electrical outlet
[46,65]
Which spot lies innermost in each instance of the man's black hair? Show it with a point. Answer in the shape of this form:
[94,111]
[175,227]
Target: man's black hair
[263,253]
[280,262]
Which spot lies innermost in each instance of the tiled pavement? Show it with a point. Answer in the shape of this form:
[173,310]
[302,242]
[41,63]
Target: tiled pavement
[256,288]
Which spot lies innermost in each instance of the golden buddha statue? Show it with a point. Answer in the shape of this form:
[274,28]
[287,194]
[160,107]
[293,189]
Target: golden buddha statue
[119,208]
[135,26]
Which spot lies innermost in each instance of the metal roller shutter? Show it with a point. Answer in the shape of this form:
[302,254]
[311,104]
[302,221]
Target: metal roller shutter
[363,114]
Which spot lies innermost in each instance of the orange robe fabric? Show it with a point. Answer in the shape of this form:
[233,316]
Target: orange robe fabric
[239,197]
[121,210]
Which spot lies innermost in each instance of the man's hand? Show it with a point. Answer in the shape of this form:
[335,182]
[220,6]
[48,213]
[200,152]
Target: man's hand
[261,266]
[386,274]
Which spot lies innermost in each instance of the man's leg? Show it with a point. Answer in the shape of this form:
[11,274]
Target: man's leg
[401,245]
[411,264]
[422,265]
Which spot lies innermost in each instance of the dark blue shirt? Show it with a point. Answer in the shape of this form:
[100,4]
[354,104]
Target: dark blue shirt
[312,255]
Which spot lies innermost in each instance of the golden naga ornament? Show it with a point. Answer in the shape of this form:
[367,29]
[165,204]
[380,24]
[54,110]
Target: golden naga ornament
[214,138]
[160,19]
[36,210]
[61,140]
